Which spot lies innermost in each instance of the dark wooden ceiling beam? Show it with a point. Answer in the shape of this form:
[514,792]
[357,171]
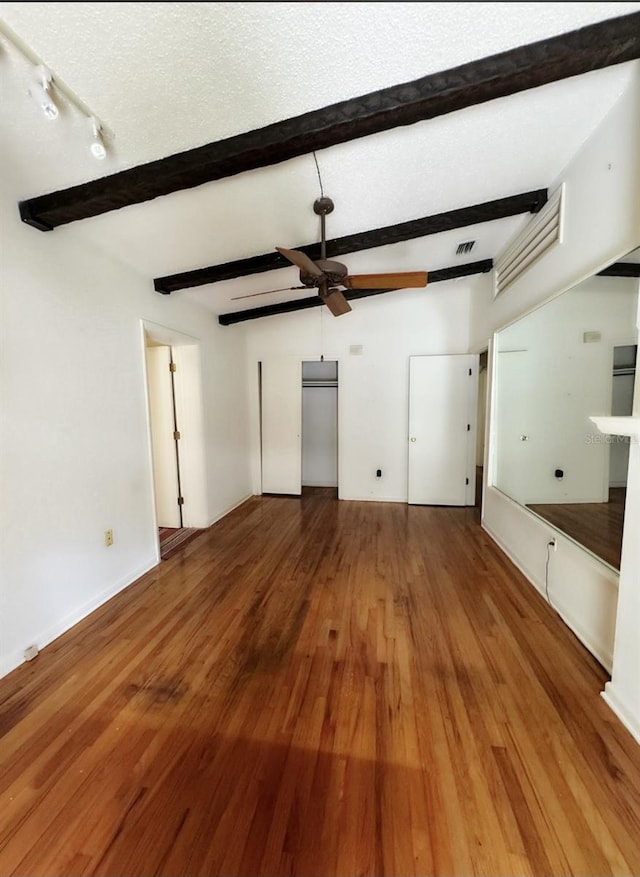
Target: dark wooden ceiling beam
[621,269]
[526,202]
[301,304]
[606,43]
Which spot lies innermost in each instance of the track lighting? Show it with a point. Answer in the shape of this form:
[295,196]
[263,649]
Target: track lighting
[46,82]
[97,148]
[41,92]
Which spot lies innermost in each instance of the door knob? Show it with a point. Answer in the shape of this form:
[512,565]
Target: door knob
[413,440]
[524,438]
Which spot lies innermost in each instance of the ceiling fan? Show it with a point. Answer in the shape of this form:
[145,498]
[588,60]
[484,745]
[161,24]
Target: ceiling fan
[326,275]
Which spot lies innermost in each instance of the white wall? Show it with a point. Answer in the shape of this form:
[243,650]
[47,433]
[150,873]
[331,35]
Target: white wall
[374,385]
[560,381]
[602,224]
[75,454]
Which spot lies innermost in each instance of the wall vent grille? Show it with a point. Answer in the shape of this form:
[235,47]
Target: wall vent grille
[464,248]
[541,233]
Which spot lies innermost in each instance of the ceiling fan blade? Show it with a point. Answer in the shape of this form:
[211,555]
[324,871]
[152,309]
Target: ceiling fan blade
[268,292]
[400,280]
[301,260]
[336,302]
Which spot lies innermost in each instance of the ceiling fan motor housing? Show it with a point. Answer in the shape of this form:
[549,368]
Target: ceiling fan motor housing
[334,272]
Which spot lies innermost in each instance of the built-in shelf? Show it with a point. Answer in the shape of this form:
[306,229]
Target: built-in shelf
[319,383]
[618,425]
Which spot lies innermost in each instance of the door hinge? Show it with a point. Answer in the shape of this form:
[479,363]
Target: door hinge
[466,481]
[468,427]
[181,500]
[172,367]
[470,372]
[176,436]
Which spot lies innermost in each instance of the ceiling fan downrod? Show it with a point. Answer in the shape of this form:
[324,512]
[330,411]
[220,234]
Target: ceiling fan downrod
[323,206]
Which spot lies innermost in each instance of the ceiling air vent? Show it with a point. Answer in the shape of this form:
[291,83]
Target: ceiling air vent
[465,247]
[541,233]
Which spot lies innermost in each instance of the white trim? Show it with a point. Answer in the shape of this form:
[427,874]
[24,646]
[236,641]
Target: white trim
[514,560]
[544,231]
[605,658]
[230,509]
[630,721]
[597,562]
[376,499]
[618,425]
[47,636]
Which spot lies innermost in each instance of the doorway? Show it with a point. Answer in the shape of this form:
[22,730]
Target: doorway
[165,436]
[320,427]
[298,409]
[173,386]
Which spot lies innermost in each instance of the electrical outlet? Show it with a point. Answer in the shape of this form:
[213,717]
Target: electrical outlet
[31,652]
[108,537]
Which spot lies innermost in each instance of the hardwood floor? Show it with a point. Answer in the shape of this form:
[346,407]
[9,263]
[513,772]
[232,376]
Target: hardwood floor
[317,688]
[595,525]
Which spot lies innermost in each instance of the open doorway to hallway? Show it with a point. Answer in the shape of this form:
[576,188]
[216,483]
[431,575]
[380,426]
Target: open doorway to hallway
[176,436]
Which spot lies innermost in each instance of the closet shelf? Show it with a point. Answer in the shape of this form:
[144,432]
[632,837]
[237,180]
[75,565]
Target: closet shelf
[319,383]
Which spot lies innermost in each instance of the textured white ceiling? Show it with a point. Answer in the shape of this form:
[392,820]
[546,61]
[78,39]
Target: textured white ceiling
[166,77]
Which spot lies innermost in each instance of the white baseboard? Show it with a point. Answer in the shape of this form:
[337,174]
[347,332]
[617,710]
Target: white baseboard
[47,636]
[631,722]
[605,658]
[514,560]
[375,498]
[229,510]
[44,638]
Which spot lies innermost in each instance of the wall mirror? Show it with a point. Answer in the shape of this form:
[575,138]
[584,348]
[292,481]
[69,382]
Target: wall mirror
[572,358]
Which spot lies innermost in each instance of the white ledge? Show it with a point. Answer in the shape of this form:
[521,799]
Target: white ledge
[618,425]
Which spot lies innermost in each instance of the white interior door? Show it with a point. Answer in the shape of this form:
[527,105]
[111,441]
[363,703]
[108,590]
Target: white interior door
[516,470]
[282,425]
[442,412]
[165,467]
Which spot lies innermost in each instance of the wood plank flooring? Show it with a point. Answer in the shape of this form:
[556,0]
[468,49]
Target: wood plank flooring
[316,687]
[597,526]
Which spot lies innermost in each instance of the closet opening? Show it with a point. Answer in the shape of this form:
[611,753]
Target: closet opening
[320,428]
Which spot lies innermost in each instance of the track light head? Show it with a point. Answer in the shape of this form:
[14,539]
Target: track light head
[41,92]
[97,147]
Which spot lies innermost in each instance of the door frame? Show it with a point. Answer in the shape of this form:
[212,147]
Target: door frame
[255,424]
[472,362]
[186,351]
